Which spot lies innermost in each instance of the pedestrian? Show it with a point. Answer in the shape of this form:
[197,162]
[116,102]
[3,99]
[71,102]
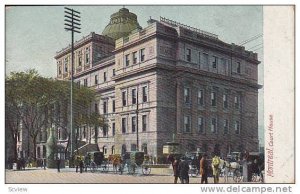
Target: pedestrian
[77,163]
[87,161]
[58,164]
[226,169]
[203,169]
[81,165]
[184,171]
[44,163]
[175,166]
[215,166]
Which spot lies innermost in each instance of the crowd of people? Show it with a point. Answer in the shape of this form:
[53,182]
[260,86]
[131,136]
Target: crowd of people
[216,165]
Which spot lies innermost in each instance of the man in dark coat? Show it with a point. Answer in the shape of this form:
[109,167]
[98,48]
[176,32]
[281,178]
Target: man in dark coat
[203,169]
[81,165]
[58,164]
[175,165]
[184,171]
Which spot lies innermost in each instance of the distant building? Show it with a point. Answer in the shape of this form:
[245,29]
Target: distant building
[166,80]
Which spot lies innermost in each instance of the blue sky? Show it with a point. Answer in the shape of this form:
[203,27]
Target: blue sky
[35,33]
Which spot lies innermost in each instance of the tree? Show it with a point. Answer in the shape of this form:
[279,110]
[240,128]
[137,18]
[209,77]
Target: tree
[27,96]
[39,103]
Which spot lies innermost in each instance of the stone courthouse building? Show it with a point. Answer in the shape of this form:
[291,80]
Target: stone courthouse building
[168,81]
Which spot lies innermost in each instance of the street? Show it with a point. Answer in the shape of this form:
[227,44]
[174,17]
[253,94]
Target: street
[69,175]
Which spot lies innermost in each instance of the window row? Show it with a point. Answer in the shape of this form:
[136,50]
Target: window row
[134,95]
[133,124]
[203,58]
[132,59]
[212,125]
[96,79]
[105,107]
[213,98]
[78,58]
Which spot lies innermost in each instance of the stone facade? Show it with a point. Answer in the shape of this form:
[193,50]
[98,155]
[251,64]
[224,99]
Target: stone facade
[171,82]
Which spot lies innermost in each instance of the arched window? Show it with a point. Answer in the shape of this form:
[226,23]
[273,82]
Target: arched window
[44,151]
[104,150]
[113,149]
[38,150]
[123,149]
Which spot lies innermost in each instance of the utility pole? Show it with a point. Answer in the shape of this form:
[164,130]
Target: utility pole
[72,19]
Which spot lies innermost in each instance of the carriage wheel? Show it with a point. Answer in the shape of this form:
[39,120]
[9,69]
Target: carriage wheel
[131,168]
[120,168]
[146,170]
[105,167]
[93,166]
[237,176]
[255,177]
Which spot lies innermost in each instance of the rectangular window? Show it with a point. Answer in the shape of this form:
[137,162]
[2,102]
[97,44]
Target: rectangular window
[124,125]
[124,98]
[186,95]
[215,62]
[225,101]
[213,99]
[104,131]
[87,56]
[96,79]
[84,132]
[187,124]
[188,55]
[78,83]
[96,108]
[79,61]
[200,97]
[133,124]
[66,64]
[134,57]
[113,129]
[145,94]
[114,72]
[144,122]
[133,95]
[59,70]
[200,125]
[225,125]
[133,147]
[85,82]
[237,102]
[238,67]
[199,58]
[104,107]
[114,105]
[127,60]
[142,54]
[237,127]
[214,125]
[104,77]
[205,59]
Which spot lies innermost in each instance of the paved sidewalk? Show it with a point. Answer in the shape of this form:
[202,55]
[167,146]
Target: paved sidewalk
[68,175]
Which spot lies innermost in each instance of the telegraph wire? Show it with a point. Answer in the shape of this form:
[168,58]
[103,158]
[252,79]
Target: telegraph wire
[255,46]
[250,39]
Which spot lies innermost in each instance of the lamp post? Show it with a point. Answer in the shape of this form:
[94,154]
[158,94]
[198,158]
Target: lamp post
[72,19]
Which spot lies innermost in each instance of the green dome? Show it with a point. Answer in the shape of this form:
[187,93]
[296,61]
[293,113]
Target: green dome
[121,24]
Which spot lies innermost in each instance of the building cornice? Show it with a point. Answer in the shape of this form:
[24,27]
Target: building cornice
[92,37]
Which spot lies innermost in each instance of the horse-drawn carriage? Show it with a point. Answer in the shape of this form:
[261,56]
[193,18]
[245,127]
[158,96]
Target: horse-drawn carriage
[96,160]
[132,162]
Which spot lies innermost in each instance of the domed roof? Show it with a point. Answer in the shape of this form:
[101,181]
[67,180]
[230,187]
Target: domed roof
[121,24]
